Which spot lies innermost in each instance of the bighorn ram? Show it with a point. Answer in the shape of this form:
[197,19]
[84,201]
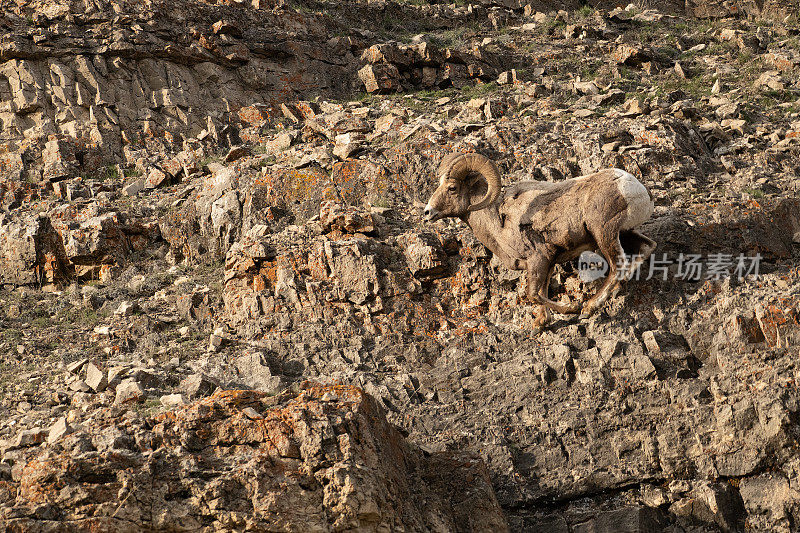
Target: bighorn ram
[532,225]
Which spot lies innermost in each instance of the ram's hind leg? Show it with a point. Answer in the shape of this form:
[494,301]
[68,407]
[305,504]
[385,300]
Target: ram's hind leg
[564,309]
[540,270]
[612,250]
[641,246]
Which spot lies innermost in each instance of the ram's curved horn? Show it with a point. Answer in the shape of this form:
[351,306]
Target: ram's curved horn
[461,167]
[447,163]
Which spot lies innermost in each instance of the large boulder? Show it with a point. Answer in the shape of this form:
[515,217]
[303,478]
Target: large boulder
[65,244]
[321,459]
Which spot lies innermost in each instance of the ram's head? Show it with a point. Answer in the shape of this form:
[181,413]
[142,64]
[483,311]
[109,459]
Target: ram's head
[467,182]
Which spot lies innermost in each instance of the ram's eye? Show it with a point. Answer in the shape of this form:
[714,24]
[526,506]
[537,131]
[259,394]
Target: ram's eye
[452,188]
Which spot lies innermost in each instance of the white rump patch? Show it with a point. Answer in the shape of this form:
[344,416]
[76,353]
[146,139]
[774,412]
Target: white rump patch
[640,206]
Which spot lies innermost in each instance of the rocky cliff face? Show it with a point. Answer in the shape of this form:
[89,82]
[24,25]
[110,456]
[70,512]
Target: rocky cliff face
[83,79]
[221,310]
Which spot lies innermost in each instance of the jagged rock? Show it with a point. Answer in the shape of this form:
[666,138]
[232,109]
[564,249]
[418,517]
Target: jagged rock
[333,217]
[134,187]
[172,400]
[642,367]
[36,250]
[59,159]
[424,255]
[369,476]
[786,61]
[509,76]
[381,78]
[31,251]
[207,226]
[156,178]
[254,372]
[195,305]
[360,182]
[226,27]
[388,64]
[235,153]
[95,378]
[115,375]
[81,95]
[197,385]
[635,107]
[31,437]
[76,366]
[770,501]
[770,80]
[215,343]
[630,55]
[127,308]
[586,87]
[626,520]
[129,391]
[58,430]
[12,168]
[715,503]
[347,144]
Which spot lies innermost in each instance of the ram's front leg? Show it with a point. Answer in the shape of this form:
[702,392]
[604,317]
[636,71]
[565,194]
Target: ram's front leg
[512,263]
[538,275]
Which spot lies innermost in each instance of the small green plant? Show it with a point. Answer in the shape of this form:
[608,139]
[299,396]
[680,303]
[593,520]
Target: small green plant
[270,160]
[51,346]
[12,335]
[433,94]
[627,73]
[586,11]
[300,8]
[216,287]
[40,322]
[110,173]
[79,316]
[754,193]
[107,173]
[380,202]
[551,26]
[450,38]
[260,149]
[719,48]
[366,98]
[479,89]
[745,57]
[210,159]
[588,70]
[149,407]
